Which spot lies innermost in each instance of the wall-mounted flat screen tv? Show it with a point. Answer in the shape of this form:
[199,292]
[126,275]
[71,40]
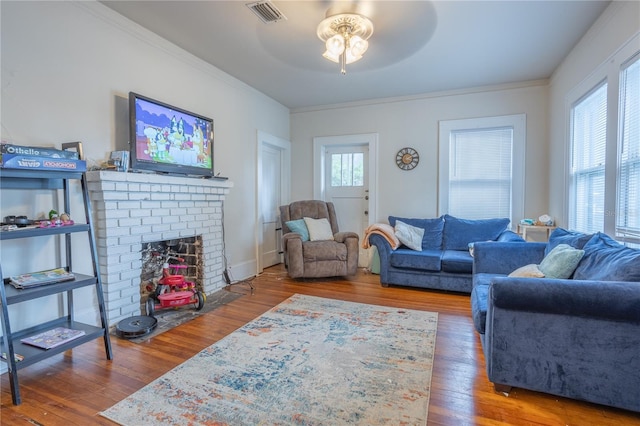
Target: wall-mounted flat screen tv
[167,139]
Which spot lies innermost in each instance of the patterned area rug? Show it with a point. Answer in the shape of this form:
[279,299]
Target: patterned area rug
[307,361]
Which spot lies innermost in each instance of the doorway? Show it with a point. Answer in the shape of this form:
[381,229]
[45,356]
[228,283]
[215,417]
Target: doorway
[273,190]
[345,174]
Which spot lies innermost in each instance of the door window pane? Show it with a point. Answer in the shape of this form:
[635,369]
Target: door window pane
[347,169]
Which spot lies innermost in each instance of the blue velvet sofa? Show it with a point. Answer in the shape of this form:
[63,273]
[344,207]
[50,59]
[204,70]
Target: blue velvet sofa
[577,337]
[444,263]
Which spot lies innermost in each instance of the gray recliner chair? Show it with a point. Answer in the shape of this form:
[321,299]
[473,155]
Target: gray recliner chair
[316,259]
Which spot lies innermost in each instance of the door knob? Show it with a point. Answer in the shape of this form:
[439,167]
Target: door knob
[366,212]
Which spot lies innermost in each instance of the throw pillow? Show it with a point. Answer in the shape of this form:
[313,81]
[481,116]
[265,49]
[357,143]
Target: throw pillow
[300,227]
[562,236]
[410,236]
[561,261]
[458,233]
[432,238]
[528,271]
[607,260]
[319,229]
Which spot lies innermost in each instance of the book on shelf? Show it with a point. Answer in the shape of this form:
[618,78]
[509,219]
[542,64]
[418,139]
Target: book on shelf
[37,151]
[33,279]
[33,162]
[16,357]
[53,338]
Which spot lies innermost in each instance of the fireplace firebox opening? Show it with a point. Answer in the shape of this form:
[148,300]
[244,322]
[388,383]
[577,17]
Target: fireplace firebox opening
[154,255]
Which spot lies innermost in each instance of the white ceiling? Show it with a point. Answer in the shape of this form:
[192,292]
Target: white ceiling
[417,46]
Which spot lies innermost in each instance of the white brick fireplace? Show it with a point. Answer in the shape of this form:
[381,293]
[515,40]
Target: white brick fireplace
[130,209]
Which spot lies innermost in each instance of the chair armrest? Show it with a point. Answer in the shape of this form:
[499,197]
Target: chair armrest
[611,300]
[293,258]
[505,257]
[384,252]
[383,246]
[341,237]
[290,236]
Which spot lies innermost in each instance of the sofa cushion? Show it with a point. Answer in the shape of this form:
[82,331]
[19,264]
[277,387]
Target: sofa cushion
[410,236]
[479,296]
[457,261]
[561,261]
[562,236]
[425,260]
[508,236]
[458,233]
[607,260]
[432,238]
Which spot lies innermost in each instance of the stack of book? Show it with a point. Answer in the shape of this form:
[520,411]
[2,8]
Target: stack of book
[37,158]
[53,338]
[35,279]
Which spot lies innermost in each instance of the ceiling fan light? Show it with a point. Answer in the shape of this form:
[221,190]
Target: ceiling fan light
[358,46]
[350,57]
[335,44]
[331,56]
[345,36]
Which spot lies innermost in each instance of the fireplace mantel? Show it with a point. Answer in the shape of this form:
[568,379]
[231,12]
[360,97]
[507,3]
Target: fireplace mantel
[134,208]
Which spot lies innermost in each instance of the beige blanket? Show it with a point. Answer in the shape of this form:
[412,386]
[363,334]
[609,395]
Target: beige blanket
[383,229]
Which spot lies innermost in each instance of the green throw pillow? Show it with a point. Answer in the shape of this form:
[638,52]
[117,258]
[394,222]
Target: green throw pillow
[561,261]
[300,227]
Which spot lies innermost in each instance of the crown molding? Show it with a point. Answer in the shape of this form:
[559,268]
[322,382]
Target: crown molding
[422,96]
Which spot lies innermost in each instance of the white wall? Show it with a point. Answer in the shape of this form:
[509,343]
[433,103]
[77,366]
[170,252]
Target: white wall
[67,68]
[413,122]
[617,24]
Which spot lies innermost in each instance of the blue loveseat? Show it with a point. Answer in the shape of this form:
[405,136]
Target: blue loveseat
[577,337]
[444,263]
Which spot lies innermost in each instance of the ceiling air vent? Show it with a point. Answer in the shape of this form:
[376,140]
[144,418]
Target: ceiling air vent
[266,11]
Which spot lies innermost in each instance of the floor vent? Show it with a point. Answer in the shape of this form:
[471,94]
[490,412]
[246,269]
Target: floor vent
[266,11]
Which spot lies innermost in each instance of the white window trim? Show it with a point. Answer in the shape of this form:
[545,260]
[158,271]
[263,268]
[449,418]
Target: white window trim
[620,231]
[519,124]
[608,71]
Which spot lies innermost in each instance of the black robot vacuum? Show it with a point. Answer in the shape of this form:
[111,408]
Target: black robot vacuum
[136,326]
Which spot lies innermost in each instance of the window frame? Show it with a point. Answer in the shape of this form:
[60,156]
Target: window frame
[610,73]
[621,231]
[594,170]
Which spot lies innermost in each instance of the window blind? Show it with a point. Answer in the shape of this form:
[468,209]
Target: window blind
[588,137]
[628,185]
[480,166]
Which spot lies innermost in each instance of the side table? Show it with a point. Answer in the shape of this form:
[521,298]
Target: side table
[523,229]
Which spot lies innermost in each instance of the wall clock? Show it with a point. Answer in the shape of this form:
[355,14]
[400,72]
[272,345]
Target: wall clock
[407,158]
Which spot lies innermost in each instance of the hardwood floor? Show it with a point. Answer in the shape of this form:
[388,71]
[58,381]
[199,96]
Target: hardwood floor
[71,388]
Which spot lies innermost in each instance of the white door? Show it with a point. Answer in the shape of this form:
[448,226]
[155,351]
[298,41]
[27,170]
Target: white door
[274,156]
[270,201]
[347,186]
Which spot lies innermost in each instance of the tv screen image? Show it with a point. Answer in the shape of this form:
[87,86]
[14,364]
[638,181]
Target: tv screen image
[168,139]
